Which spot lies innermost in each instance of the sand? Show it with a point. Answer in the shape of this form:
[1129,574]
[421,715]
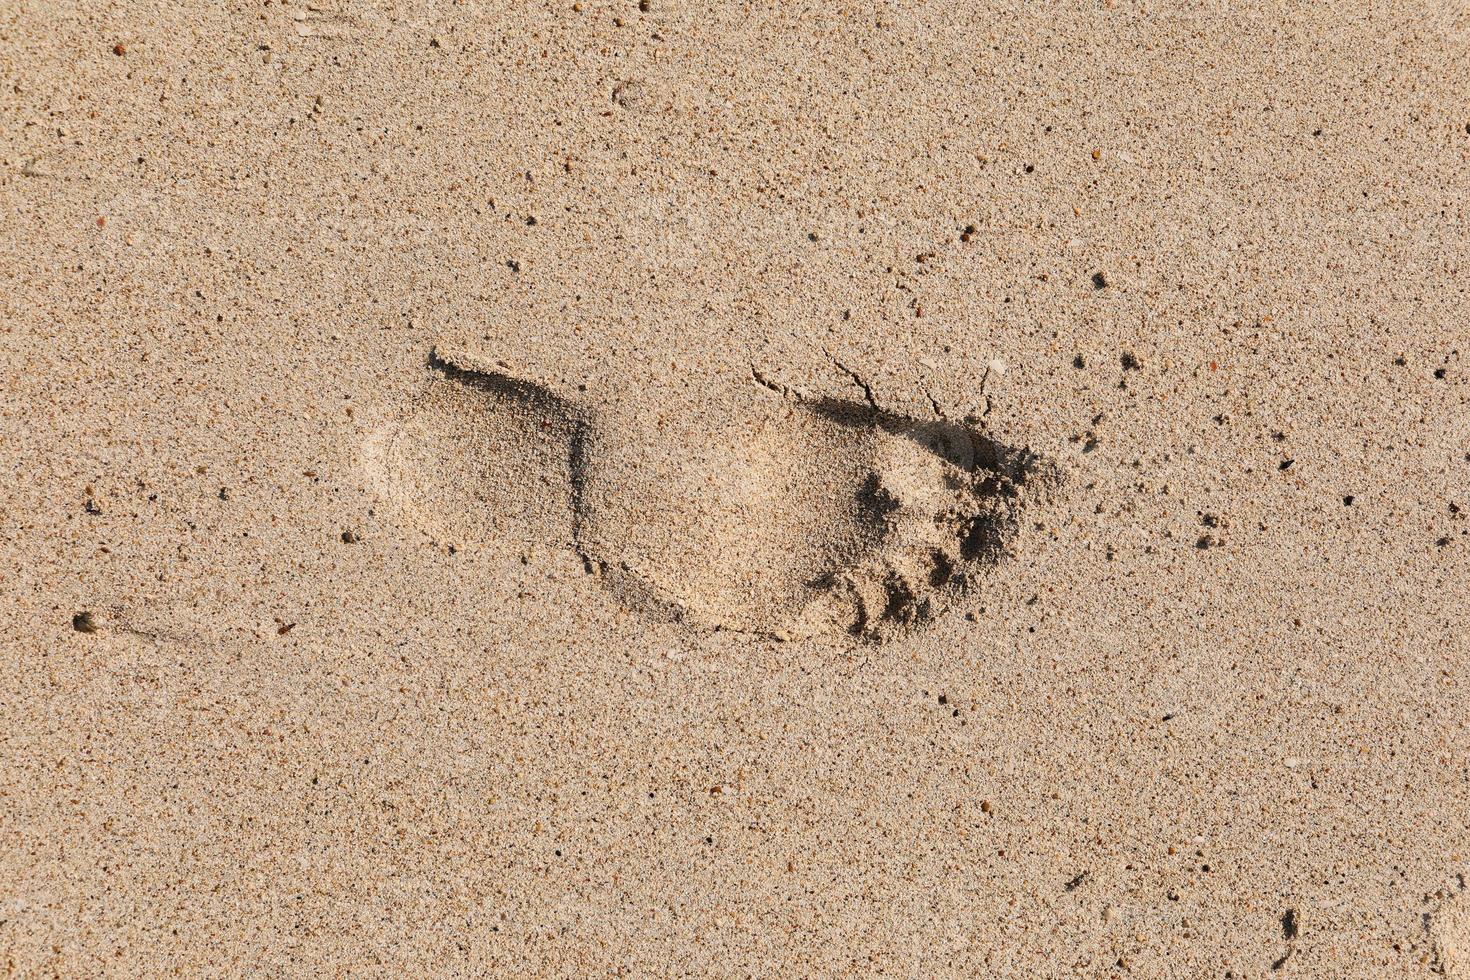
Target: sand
[571,489]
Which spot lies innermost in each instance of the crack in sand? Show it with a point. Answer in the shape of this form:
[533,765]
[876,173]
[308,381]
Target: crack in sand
[857,379]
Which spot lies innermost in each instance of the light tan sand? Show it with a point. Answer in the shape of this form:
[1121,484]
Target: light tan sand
[915,489]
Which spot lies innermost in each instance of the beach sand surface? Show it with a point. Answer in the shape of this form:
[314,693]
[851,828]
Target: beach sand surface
[726,489]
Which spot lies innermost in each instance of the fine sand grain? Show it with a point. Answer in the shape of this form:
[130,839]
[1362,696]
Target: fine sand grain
[719,489]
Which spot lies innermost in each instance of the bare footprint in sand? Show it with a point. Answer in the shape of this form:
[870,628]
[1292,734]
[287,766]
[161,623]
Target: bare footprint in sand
[787,516]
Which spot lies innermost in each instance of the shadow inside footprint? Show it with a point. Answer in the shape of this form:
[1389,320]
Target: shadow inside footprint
[772,514]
